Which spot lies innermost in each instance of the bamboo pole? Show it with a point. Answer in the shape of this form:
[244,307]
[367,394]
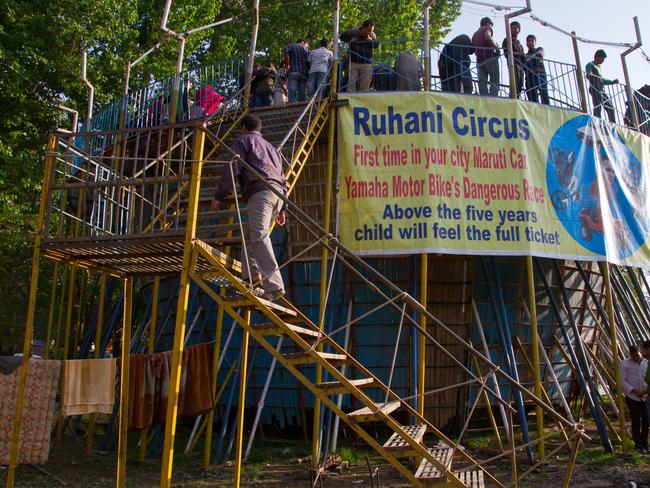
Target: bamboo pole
[50,316]
[329,175]
[31,309]
[486,398]
[535,350]
[572,461]
[59,320]
[98,341]
[181,311]
[151,344]
[616,364]
[124,382]
[239,443]
[66,352]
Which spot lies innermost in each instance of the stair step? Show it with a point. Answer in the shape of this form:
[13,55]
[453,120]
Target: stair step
[398,446]
[365,414]
[430,474]
[472,478]
[271,329]
[336,387]
[240,301]
[306,358]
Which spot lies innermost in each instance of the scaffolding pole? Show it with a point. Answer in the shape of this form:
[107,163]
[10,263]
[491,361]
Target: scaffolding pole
[124,382]
[31,309]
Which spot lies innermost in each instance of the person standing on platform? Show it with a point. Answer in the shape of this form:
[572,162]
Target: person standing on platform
[597,86]
[280,90]
[536,82]
[518,54]
[487,58]
[296,56]
[263,206]
[319,60]
[409,72]
[633,374]
[363,42]
[454,65]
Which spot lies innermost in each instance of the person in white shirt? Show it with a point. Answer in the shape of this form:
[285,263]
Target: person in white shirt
[320,60]
[633,371]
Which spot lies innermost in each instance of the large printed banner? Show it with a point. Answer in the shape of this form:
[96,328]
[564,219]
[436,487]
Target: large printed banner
[430,172]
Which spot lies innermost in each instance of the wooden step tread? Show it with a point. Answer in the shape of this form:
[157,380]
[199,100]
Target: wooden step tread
[472,478]
[397,445]
[273,329]
[306,358]
[244,302]
[429,473]
[336,387]
[365,414]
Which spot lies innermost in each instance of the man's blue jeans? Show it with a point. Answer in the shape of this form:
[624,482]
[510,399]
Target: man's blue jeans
[296,84]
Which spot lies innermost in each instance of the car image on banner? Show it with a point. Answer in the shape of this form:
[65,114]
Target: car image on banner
[596,186]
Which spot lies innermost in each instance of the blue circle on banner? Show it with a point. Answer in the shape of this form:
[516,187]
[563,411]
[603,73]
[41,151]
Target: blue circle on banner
[585,157]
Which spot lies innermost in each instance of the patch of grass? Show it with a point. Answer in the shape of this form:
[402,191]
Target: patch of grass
[351,456]
[600,457]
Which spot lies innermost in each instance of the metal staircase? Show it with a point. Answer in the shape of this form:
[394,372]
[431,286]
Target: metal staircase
[285,320]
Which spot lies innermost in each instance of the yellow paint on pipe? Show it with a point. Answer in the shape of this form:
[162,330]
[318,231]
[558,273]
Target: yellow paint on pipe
[50,315]
[124,383]
[99,331]
[537,376]
[239,442]
[151,343]
[181,311]
[31,309]
[620,399]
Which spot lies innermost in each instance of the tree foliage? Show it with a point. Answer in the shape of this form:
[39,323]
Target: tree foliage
[41,46]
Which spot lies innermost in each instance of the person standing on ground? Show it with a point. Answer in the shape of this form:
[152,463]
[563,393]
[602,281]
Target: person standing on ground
[633,373]
[363,41]
[319,60]
[263,206]
[295,54]
[646,354]
[518,55]
[536,82]
[487,58]
[597,86]
[454,65]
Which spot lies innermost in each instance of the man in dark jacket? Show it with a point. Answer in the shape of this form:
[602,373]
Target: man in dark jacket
[263,206]
[363,41]
[518,54]
[454,65]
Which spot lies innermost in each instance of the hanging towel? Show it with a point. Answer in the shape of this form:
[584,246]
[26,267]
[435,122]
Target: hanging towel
[196,392]
[88,386]
[149,386]
[38,411]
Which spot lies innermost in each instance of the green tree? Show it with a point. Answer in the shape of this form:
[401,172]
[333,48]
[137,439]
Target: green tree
[41,45]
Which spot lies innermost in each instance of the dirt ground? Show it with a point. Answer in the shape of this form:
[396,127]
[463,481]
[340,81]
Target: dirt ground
[284,463]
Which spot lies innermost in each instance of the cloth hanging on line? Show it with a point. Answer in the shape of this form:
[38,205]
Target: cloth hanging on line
[88,386]
[149,376]
[38,411]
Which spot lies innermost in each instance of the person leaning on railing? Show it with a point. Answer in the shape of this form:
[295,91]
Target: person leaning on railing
[319,60]
[536,82]
[363,41]
[487,58]
[597,86]
[454,65]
